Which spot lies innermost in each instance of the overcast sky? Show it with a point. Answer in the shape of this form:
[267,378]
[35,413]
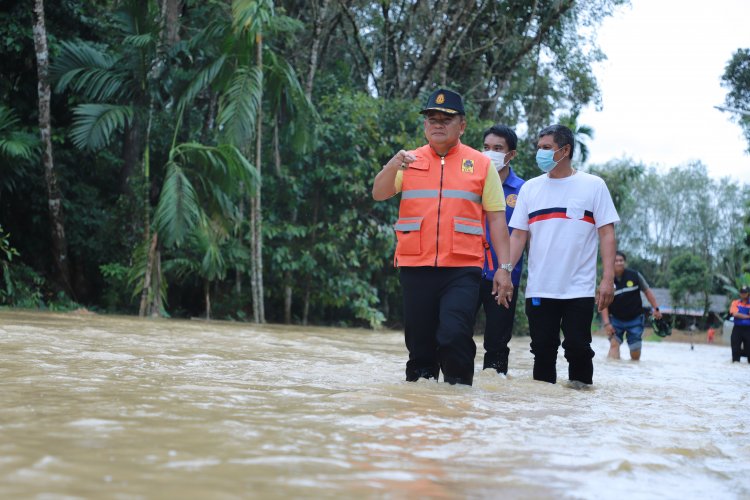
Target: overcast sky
[661,81]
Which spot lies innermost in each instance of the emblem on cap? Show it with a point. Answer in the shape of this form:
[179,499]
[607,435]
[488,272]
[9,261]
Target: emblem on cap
[440,99]
[467,166]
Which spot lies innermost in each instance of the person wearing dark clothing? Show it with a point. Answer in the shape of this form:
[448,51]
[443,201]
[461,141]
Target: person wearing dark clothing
[740,339]
[500,144]
[447,189]
[624,317]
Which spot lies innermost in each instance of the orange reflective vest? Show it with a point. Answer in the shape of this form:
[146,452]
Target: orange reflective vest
[440,216]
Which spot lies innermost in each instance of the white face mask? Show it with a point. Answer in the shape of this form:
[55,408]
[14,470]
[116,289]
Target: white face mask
[498,158]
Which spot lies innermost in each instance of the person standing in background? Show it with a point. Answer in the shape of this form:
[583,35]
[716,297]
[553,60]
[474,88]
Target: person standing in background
[500,142]
[740,339]
[624,316]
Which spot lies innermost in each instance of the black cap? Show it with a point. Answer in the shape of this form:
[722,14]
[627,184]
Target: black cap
[445,101]
[745,289]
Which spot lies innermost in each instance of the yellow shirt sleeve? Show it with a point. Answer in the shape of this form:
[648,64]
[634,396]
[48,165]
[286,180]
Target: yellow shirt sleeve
[493,199]
[399,181]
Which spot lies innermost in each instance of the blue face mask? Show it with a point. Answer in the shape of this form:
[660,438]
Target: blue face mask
[544,159]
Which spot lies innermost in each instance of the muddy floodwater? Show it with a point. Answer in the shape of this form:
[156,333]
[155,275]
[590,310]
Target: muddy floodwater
[116,407]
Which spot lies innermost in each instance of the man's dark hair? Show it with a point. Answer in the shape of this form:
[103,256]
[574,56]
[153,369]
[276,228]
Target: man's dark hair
[621,255]
[505,132]
[562,136]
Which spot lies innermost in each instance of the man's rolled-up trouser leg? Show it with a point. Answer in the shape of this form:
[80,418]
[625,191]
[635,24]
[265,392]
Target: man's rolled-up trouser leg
[544,326]
[420,287]
[456,348]
[576,327]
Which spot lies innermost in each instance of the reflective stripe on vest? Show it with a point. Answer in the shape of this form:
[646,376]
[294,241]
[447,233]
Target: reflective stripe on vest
[466,228]
[408,224]
[464,195]
[440,215]
[419,193]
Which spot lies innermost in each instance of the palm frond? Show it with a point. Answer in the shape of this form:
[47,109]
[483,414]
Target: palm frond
[15,143]
[180,267]
[216,172]
[8,118]
[203,79]
[178,210]
[239,105]
[208,239]
[585,130]
[87,70]
[19,145]
[284,90]
[135,17]
[94,124]
[250,16]
[140,41]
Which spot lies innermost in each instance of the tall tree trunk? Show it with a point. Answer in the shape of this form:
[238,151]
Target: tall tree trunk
[170,15]
[147,281]
[169,29]
[131,154]
[156,304]
[207,295]
[256,216]
[147,276]
[313,240]
[288,290]
[276,147]
[320,15]
[54,198]
[288,296]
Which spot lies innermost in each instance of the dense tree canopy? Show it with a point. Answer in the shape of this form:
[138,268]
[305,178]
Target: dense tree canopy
[736,78]
[217,157]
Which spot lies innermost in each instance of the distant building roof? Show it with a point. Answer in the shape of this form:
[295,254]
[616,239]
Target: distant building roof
[717,303]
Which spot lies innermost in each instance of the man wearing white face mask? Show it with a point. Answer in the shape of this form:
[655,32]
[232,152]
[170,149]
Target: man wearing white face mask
[564,214]
[500,144]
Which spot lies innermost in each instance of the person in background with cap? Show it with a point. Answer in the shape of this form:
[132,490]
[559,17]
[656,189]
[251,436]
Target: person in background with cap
[625,313]
[500,143]
[563,214]
[740,339]
[445,186]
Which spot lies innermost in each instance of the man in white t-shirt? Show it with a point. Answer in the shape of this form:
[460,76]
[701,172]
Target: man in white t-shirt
[563,214]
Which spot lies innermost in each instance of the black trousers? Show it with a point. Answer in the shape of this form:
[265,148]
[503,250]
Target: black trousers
[573,316]
[498,326]
[439,307]
[740,342]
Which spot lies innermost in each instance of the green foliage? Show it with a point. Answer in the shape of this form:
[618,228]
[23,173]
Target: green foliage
[581,134]
[7,253]
[88,71]
[116,296]
[217,176]
[736,78]
[240,104]
[621,176]
[25,290]
[689,275]
[326,232]
[14,144]
[152,122]
[95,123]
[17,149]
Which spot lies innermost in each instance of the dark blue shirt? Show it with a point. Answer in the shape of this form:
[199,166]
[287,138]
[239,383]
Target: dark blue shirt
[511,186]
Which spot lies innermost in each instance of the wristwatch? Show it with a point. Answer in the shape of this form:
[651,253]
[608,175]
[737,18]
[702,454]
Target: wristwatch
[507,267]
